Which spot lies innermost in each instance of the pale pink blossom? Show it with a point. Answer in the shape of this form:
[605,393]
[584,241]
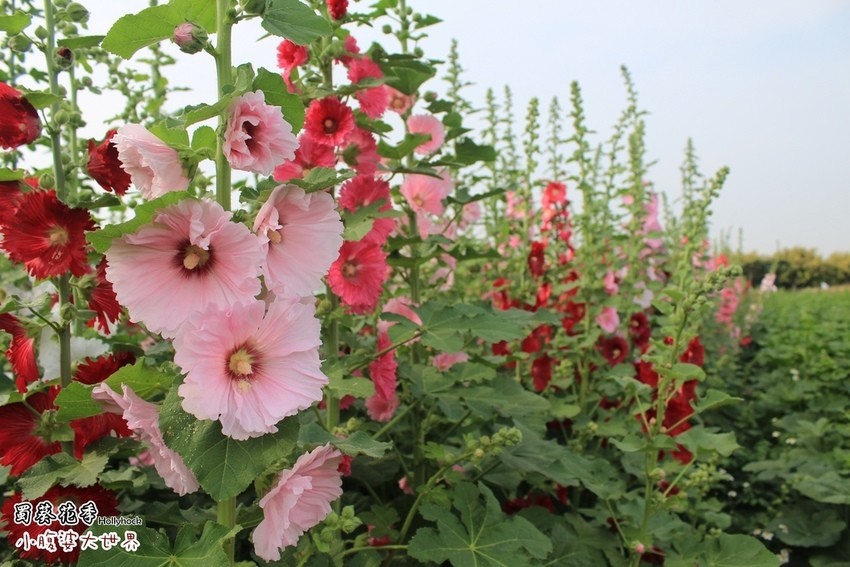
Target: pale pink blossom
[189,257]
[404,485]
[609,283]
[444,361]
[399,102]
[430,125]
[608,319]
[425,193]
[301,234]
[257,138]
[143,418]
[154,167]
[299,500]
[249,369]
[398,306]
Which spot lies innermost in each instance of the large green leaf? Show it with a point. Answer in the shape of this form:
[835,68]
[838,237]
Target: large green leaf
[482,536]
[738,551]
[155,550]
[295,21]
[223,466]
[277,94]
[102,239]
[14,23]
[135,31]
[406,74]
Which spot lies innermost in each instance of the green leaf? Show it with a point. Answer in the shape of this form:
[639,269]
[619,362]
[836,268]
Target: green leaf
[714,399]
[703,442]
[63,469]
[295,21]
[99,201]
[7,174]
[808,524]
[829,488]
[204,141]
[686,371]
[277,94]
[75,400]
[504,396]
[404,148]
[357,387]
[14,23]
[468,152]
[172,132]
[481,537]
[406,74]
[102,239]
[39,99]
[223,466]
[321,178]
[358,443]
[155,550]
[358,223]
[135,31]
[80,42]
[738,551]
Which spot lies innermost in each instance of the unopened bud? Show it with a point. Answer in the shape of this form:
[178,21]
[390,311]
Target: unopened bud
[20,43]
[61,117]
[46,181]
[639,547]
[190,38]
[77,12]
[253,7]
[41,32]
[387,29]
[64,58]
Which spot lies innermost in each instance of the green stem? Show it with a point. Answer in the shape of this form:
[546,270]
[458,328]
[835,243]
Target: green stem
[224,75]
[396,418]
[226,516]
[354,550]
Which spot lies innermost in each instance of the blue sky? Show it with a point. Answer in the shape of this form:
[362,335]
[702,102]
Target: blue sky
[762,86]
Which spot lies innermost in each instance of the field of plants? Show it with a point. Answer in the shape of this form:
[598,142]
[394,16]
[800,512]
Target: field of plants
[317,319]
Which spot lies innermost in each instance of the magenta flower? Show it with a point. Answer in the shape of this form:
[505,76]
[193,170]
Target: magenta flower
[257,138]
[608,319]
[302,234]
[383,370]
[189,257]
[248,368]
[358,275]
[154,167]
[298,501]
[427,124]
[143,418]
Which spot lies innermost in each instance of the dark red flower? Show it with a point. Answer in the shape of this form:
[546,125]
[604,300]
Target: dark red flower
[541,372]
[105,167]
[695,353]
[639,330]
[20,445]
[328,121]
[48,236]
[539,336]
[514,505]
[337,8]
[646,373]
[614,349]
[23,535]
[89,429]
[103,301]
[573,314]
[19,122]
[21,352]
[537,259]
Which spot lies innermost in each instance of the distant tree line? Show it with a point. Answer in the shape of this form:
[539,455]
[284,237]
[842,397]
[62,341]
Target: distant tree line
[796,267]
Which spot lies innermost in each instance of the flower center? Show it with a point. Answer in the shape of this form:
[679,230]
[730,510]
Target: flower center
[274,236]
[57,236]
[240,363]
[249,129]
[418,200]
[329,125]
[349,269]
[195,257]
[398,103]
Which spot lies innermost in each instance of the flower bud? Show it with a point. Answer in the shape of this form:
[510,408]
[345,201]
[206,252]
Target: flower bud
[61,117]
[41,32]
[77,12]
[46,181]
[190,38]
[387,29]
[64,58]
[253,7]
[20,43]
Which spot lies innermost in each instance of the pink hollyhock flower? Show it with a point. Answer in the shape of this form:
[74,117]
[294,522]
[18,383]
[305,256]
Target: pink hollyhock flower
[398,306]
[361,152]
[358,275]
[189,257]
[143,418]
[427,124]
[154,167]
[328,121]
[444,361]
[301,234]
[337,8]
[257,138]
[399,102]
[373,100]
[363,191]
[382,405]
[309,154]
[299,500]
[608,319]
[250,369]
[609,282]
[425,193]
[470,214]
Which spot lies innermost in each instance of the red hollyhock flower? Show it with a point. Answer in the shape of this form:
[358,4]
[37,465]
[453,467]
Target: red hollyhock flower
[639,330]
[695,353]
[21,352]
[539,336]
[105,167]
[289,56]
[554,194]
[309,154]
[362,191]
[104,500]
[337,8]
[373,100]
[646,373]
[382,370]
[89,429]
[103,301]
[541,372]
[20,446]
[614,349]
[361,152]
[358,275]
[328,121]
[48,236]
[10,195]
[573,314]
[537,259]
[19,123]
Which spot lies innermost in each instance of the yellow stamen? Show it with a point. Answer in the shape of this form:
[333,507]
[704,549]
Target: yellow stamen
[195,257]
[58,236]
[240,363]
[274,236]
